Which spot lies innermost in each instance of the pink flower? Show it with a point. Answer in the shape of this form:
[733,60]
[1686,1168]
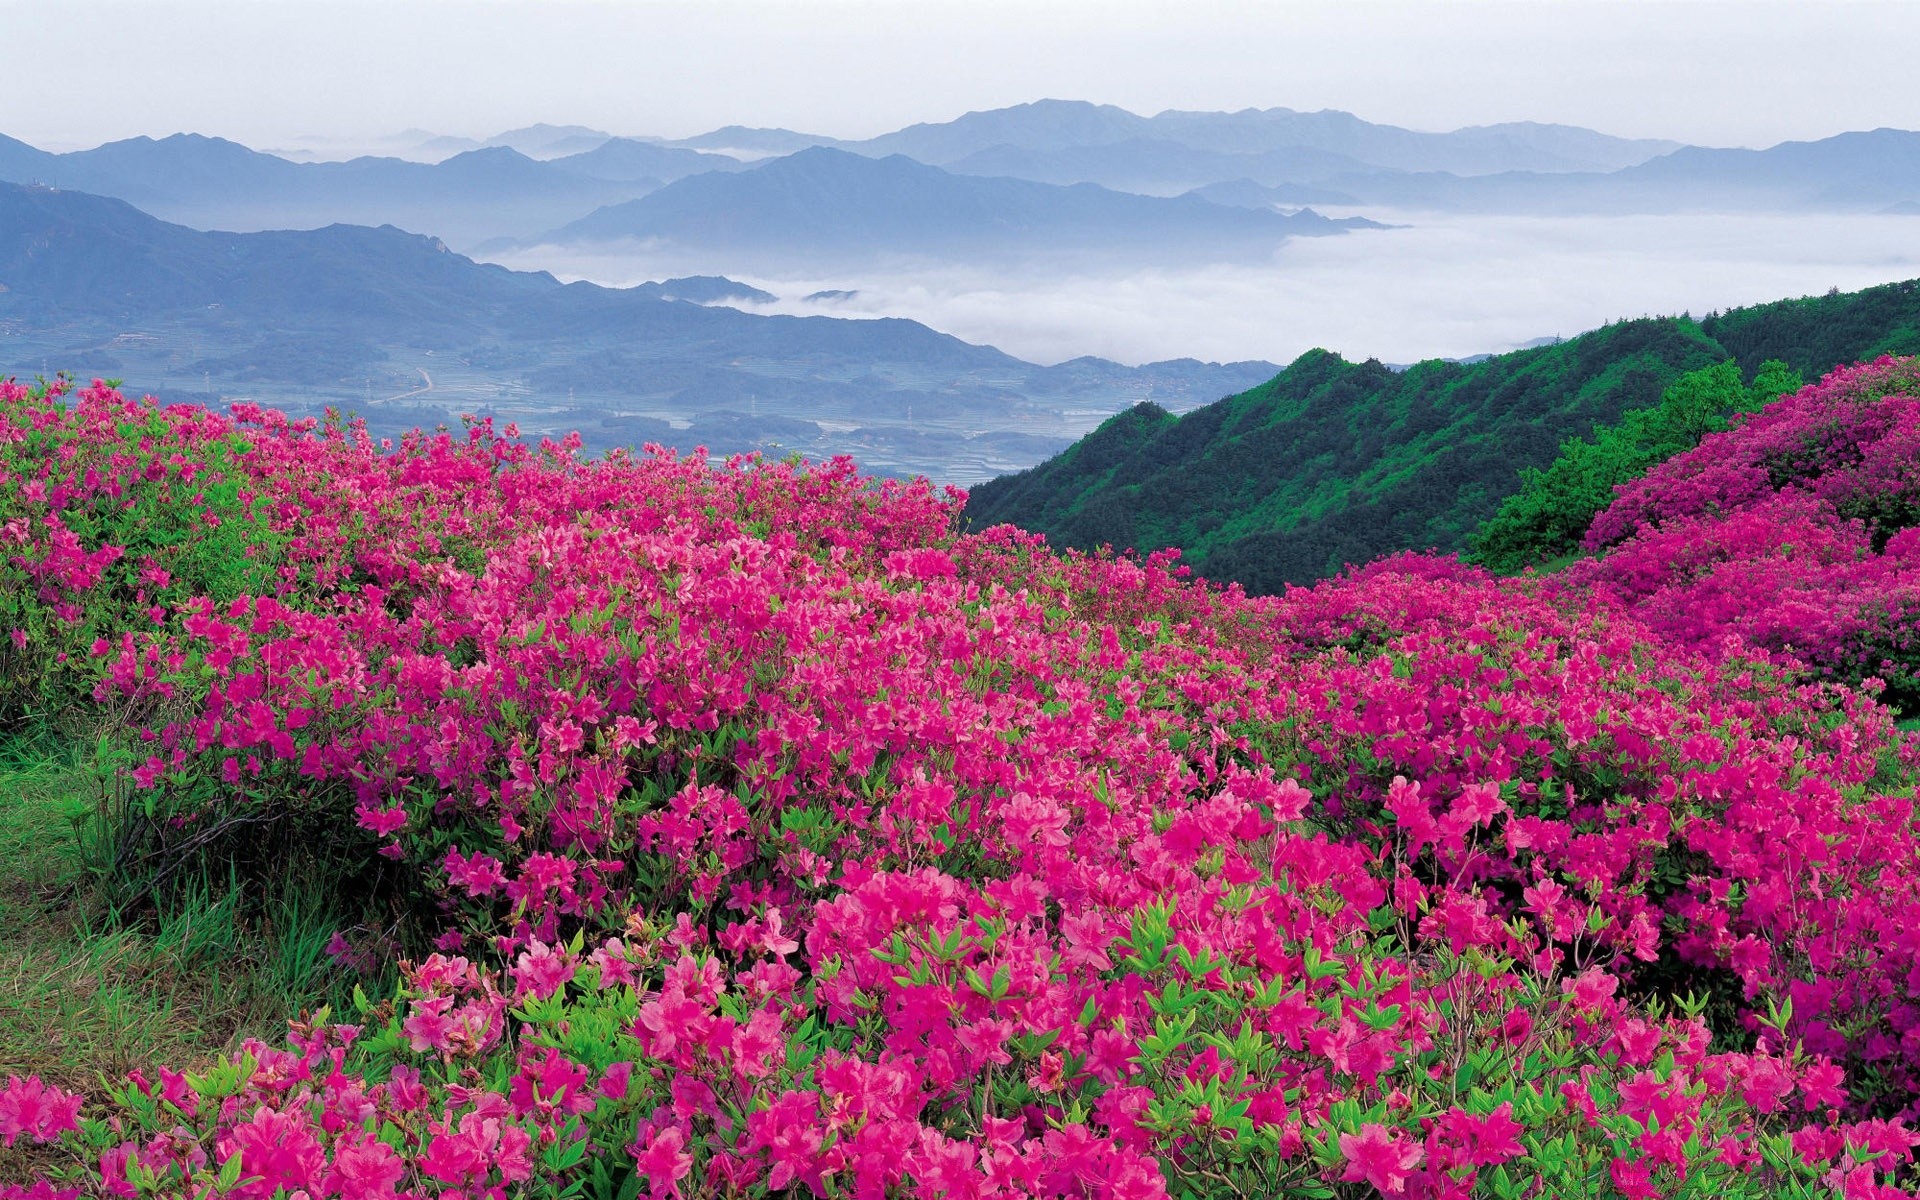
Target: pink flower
[1634,1178]
[1479,803]
[381,821]
[1494,1138]
[662,1159]
[276,1150]
[40,1189]
[366,1170]
[541,971]
[31,1109]
[1380,1156]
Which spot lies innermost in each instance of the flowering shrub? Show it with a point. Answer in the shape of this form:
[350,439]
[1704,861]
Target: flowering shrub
[1548,514]
[774,838]
[1794,530]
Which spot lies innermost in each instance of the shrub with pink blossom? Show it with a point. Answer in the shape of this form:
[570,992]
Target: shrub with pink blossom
[1794,530]
[764,835]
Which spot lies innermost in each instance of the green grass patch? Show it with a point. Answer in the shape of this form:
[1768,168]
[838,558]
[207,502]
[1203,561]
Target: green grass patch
[91,989]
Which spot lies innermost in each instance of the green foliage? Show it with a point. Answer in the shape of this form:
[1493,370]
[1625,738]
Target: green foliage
[1550,513]
[1814,334]
[187,530]
[1333,462]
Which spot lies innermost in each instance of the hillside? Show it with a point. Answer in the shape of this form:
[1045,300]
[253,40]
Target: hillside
[828,206]
[1866,171]
[1333,462]
[403,330]
[1796,530]
[729,832]
[212,183]
[1071,125]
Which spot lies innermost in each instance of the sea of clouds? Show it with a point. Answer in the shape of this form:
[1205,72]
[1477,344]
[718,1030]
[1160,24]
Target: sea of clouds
[1436,285]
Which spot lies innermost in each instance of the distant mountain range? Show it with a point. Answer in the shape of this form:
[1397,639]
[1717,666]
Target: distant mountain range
[1051,125]
[824,207]
[306,318]
[1866,172]
[950,188]
[210,183]
[94,283]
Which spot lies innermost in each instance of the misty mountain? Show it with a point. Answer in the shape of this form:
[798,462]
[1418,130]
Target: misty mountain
[1850,172]
[304,319]
[1865,170]
[1155,166]
[1039,125]
[1474,150]
[550,141]
[631,160]
[434,149]
[705,289]
[212,183]
[1054,125]
[743,142]
[826,205]
[1245,193]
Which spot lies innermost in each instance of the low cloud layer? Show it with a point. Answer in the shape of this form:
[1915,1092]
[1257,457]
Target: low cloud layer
[1441,286]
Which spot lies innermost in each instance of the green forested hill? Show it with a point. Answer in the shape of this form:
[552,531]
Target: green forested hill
[1332,462]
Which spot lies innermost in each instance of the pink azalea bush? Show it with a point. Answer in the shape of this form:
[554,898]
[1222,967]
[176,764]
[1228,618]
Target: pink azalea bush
[773,838]
[1797,530]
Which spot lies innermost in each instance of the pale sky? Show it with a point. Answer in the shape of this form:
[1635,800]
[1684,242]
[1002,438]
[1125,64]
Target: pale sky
[265,72]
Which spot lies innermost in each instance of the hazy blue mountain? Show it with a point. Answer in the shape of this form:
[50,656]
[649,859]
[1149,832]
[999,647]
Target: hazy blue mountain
[741,140]
[1245,193]
[1070,124]
[1852,170]
[435,148]
[823,205]
[1859,172]
[550,141]
[1039,125]
[403,330]
[19,161]
[1155,166]
[631,160]
[211,183]
[1475,150]
[90,257]
[705,289]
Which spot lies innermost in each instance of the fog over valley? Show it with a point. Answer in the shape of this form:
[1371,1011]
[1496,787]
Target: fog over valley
[1435,285]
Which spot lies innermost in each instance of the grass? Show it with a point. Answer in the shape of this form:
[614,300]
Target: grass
[89,991]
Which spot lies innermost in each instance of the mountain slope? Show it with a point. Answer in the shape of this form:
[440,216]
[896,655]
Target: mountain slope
[824,204]
[1058,125]
[550,141]
[1475,150]
[625,160]
[211,183]
[1333,462]
[752,142]
[1155,166]
[1866,172]
[1869,169]
[311,318]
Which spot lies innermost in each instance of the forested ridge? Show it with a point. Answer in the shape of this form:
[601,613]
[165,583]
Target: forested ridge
[1334,462]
